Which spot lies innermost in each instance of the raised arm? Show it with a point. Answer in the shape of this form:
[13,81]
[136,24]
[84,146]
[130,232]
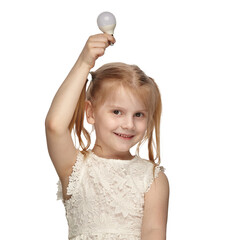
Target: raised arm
[59,141]
[65,100]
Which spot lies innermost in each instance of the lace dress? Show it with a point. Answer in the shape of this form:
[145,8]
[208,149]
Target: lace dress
[107,197]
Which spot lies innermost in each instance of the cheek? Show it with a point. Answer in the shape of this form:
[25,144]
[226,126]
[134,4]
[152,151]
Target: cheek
[111,123]
[142,126]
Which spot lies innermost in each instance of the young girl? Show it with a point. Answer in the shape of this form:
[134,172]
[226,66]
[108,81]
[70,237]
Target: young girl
[108,193]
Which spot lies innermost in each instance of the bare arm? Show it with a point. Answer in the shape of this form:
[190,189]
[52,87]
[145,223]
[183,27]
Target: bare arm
[154,234]
[59,141]
[154,223]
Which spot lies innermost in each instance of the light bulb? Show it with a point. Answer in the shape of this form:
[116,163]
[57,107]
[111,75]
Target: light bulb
[106,22]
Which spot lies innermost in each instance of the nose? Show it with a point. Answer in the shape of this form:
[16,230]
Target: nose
[128,123]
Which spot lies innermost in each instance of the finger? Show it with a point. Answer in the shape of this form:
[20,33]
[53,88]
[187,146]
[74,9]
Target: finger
[98,37]
[102,37]
[110,38]
[99,44]
[98,52]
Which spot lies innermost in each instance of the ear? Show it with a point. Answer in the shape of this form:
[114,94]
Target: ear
[89,112]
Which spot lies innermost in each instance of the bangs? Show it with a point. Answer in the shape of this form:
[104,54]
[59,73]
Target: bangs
[109,89]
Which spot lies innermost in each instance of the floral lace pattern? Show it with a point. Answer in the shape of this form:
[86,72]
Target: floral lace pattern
[107,236]
[107,197]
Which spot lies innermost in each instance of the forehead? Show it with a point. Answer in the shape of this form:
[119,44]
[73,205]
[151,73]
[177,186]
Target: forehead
[124,98]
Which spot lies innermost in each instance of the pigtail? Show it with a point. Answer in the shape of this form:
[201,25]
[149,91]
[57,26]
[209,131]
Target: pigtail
[155,125]
[78,120]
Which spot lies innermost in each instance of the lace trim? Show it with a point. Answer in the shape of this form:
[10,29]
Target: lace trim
[73,178]
[59,191]
[150,175]
[106,236]
[135,157]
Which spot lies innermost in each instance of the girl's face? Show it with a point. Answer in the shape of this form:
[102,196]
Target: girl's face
[123,115]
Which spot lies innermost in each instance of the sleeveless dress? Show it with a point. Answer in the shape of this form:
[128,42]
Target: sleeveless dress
[107,197]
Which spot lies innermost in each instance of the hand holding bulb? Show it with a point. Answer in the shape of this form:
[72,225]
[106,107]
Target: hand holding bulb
[106,22]
[94,48]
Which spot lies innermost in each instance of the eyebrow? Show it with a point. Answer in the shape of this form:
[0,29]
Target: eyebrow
[114,106]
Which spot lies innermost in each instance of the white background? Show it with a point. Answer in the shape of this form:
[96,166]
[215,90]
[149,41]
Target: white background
[191,48]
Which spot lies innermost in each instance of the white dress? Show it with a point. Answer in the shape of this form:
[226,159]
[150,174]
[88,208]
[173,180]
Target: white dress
[107,197]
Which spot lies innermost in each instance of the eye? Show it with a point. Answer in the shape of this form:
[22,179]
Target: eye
[116,111]
[140,113]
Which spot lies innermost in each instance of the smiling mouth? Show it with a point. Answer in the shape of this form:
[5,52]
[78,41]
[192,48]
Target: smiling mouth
[124,136]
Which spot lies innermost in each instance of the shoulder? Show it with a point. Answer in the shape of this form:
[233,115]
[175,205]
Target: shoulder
[158,185]
[161,182]
[149,166]
[144,162]
[154,175]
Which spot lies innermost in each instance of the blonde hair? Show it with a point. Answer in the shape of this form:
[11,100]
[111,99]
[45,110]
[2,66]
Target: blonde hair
[109,78]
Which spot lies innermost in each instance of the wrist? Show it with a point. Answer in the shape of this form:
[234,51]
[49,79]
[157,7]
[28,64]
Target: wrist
[83,65]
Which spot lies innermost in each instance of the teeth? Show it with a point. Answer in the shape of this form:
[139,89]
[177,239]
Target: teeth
[123,135]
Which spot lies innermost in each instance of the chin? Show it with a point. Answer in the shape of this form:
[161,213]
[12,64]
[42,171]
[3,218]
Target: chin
[122,149]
